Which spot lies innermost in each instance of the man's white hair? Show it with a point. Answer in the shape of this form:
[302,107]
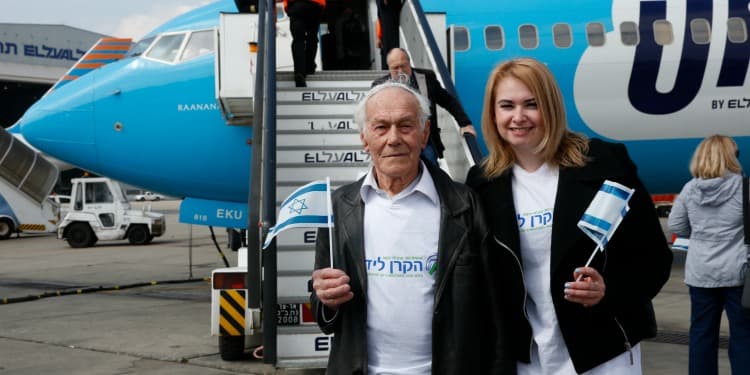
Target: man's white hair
[360,111]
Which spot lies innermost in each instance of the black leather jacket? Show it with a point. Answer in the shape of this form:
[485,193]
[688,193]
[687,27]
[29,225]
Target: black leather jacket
[467,332]
[635,264]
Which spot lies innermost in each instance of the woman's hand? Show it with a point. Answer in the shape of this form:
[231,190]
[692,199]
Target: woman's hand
[588,289]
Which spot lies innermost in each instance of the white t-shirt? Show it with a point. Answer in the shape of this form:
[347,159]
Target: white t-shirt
[401,241]
[534,196]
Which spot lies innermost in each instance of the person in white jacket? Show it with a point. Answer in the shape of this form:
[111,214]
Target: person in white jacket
[708,211]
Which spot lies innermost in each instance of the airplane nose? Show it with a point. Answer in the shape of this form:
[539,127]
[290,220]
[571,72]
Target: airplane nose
[61,123]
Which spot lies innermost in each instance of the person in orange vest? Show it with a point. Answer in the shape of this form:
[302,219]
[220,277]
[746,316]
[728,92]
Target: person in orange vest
[304,23]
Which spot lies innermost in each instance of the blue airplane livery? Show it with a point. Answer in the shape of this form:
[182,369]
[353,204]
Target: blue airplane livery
[657,76]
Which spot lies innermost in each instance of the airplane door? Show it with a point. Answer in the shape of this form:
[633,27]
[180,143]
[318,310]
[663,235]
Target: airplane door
[98,199]
[450,52]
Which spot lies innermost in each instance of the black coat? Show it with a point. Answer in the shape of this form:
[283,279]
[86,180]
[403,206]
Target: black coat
[467,332]
[635,264]
[437,95]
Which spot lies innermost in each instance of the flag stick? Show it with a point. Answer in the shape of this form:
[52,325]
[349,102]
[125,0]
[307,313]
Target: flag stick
[598,247]
[330,224]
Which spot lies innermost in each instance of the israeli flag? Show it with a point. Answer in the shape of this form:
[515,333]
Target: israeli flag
[605,212]
[681,243]
[308,206]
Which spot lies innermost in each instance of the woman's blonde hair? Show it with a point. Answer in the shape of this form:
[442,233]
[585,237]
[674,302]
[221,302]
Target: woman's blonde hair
[559,145]
[714,156]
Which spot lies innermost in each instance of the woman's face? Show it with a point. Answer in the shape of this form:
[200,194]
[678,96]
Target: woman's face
[517,117]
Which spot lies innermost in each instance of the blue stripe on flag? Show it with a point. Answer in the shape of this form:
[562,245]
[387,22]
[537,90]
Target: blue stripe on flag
[622,194]
[314,187]
[302,219]
[604,225]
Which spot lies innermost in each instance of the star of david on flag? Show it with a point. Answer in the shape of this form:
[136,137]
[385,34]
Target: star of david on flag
[308,206]
[605,212]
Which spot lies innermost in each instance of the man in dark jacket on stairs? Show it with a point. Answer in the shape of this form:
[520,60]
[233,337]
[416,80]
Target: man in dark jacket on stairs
[426,83]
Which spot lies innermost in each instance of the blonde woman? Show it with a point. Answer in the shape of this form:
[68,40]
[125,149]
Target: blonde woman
[709,212]
[534,186]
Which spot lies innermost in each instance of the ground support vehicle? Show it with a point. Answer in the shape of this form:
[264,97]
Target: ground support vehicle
[239,327]
[99,210]
[149,196]
[19,214]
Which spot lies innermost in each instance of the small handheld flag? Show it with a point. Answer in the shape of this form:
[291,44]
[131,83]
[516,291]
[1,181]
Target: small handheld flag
[605,213]
[308,206]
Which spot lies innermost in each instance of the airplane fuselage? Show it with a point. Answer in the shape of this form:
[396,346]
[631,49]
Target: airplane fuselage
[658,76]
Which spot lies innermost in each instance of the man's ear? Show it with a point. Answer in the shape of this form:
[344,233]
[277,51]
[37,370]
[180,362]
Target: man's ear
[362,139]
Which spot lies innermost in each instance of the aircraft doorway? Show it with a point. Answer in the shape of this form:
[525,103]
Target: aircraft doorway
[16,98]
[346,44]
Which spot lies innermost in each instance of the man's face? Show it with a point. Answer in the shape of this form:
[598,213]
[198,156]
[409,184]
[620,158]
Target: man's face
[398,64]
[393,136]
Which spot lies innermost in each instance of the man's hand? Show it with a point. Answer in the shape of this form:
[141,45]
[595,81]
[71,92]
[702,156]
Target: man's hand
[468,129]
[332,287]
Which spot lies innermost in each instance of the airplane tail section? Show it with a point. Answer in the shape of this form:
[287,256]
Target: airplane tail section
[105,51]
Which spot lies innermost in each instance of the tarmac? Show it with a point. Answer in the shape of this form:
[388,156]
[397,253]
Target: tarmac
[164,327]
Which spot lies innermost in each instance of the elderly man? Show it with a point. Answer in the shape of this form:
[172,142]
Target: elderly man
[425,82]
[410,291]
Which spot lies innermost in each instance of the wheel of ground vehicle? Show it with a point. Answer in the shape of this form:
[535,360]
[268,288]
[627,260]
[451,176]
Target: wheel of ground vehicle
[157,198]
[80,235]
[6,229]
[231,348]
[138,235]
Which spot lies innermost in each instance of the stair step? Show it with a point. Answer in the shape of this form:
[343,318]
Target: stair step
[297,108]
[319,140]
[335,75]
[322,95]
[316,122]
[312,172]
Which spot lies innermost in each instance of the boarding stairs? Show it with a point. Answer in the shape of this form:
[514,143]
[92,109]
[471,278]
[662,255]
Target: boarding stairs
[26,180]
[316,138]
[302,135]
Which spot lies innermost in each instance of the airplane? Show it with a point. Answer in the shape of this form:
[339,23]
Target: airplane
[656,75]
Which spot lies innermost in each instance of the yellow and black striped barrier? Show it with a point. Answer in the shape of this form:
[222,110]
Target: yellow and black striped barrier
[232,312]
[31,227]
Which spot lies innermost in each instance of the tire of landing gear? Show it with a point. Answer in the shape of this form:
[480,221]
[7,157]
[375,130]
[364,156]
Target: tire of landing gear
[231,348]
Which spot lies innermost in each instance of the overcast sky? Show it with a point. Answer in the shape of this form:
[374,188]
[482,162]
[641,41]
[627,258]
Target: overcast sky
[119,18]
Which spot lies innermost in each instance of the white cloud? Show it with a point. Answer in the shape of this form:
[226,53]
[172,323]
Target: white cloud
[136,25]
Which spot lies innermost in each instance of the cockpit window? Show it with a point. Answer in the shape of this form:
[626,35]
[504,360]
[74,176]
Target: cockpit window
[166,48]
[141,46]
[200,43]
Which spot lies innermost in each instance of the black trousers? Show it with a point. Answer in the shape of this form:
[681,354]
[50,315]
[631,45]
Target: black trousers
[389,20]
[304,22]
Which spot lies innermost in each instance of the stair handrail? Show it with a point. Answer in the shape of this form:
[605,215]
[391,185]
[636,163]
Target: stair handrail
[262,194]
[441,70]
